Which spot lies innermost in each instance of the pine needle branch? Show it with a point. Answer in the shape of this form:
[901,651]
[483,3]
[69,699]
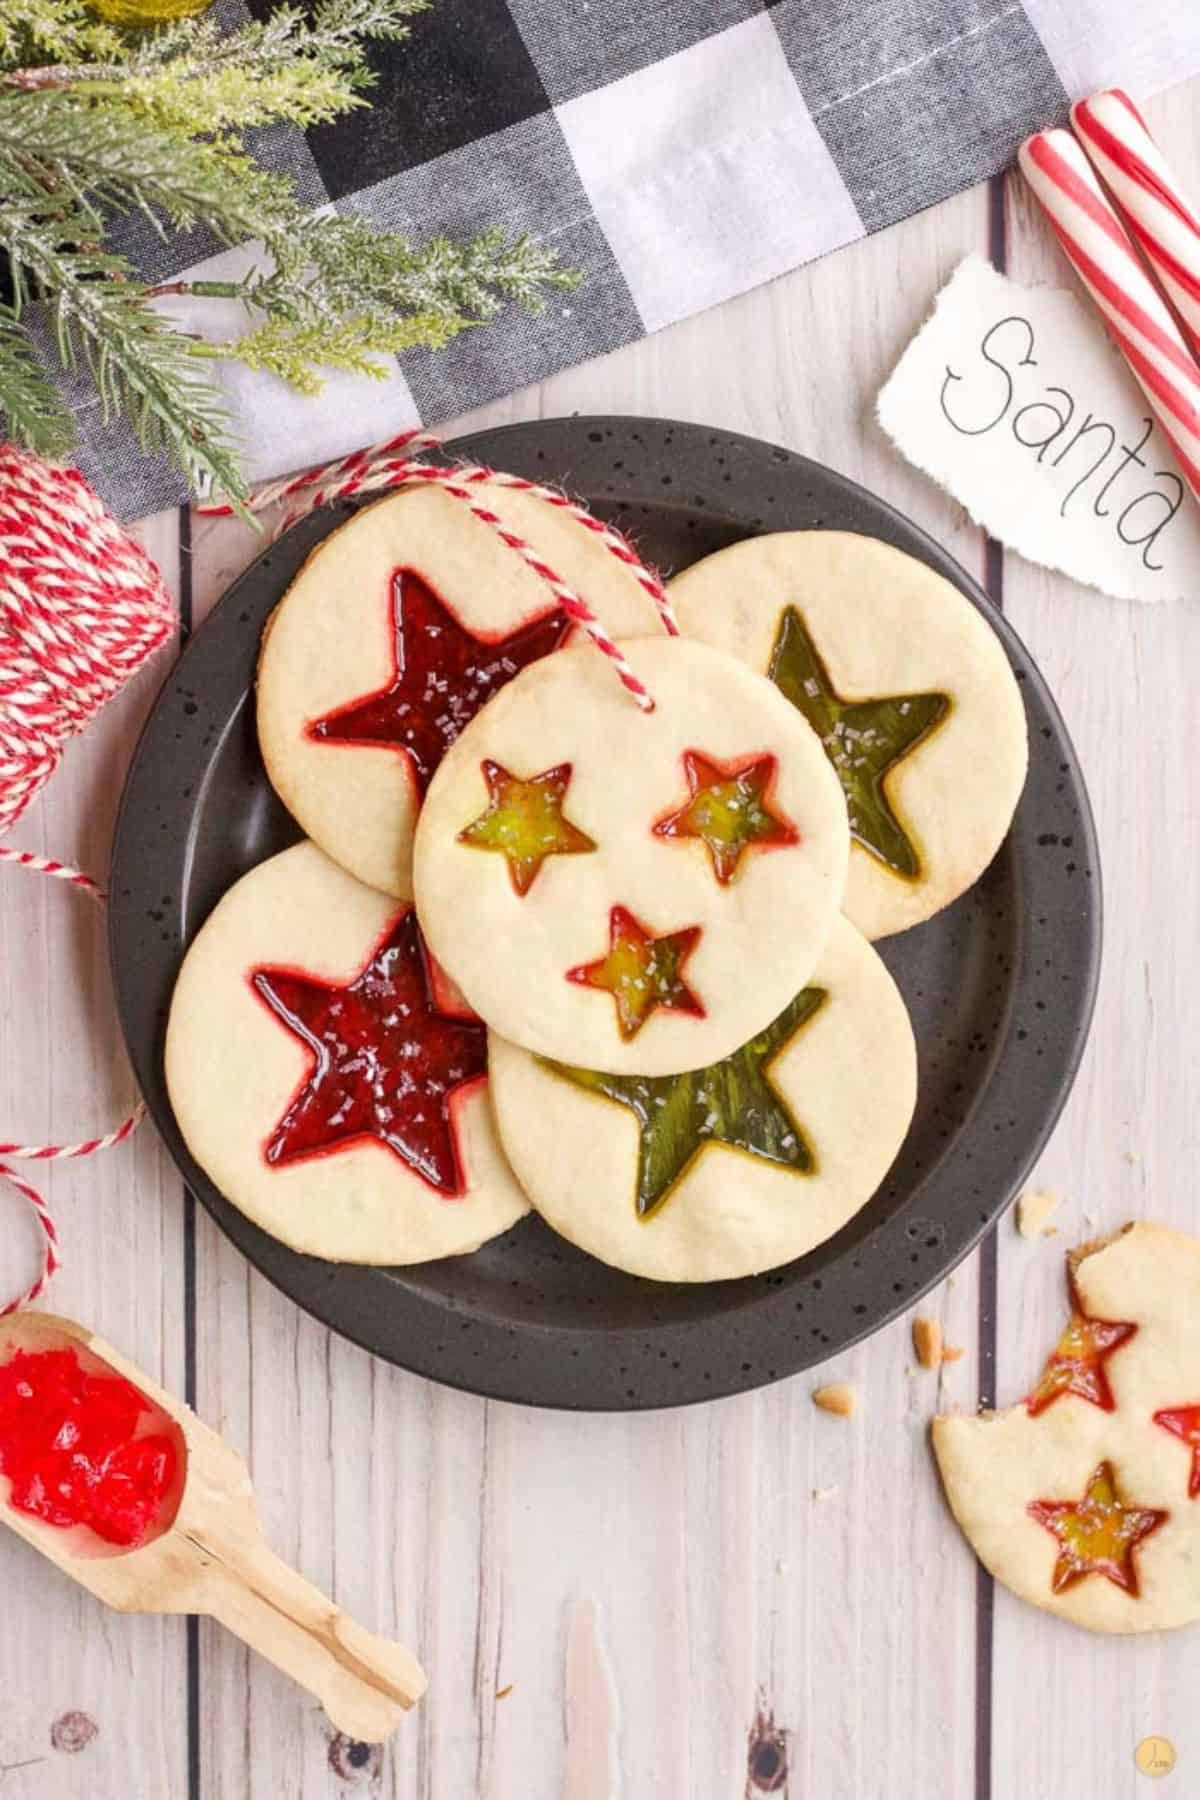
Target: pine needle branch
[32,410]
[287,67]
[110,159]
[340,263]
[141,368]
[95,123]
[37,31]
[297,352]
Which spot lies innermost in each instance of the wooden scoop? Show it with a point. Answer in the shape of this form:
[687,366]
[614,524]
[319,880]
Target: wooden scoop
[208,1555]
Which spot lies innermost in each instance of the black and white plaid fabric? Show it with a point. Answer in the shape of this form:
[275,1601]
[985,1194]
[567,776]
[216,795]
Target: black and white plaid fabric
[678,151]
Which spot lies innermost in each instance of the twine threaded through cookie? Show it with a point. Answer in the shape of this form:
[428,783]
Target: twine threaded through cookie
[385,466]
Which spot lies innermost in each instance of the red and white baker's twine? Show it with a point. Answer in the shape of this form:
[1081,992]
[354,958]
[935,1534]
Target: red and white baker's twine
[44,865]
[1106,262]
[81,608]
[384,466]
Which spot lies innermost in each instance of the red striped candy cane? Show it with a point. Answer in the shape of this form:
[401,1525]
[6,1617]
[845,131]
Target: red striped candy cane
[1106,262]
[1138,176]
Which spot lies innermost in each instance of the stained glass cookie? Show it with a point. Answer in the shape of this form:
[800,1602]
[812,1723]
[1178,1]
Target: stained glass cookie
[328,1079]
[908,688]
[631,891]
[1085,1498]
[396,630]
[731,1169]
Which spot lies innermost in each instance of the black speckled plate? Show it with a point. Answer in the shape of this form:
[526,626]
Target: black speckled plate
[1000,985]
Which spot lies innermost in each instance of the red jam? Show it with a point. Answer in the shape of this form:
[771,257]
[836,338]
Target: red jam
[69,1446]
[442,674]
[1184,1422]
[1076,1364]
[387,1060]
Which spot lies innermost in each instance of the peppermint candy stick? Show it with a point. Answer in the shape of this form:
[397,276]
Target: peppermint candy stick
[1162,224]
[1109,267]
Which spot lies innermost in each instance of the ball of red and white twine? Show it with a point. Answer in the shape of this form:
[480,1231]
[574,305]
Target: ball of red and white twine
[82,606]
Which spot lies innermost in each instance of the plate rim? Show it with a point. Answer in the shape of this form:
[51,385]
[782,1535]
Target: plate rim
[571,1392]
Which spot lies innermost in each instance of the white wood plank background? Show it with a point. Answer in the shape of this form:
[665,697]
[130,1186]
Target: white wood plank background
[661,1594]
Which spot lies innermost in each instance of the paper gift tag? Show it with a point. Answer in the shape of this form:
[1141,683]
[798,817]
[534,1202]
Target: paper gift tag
[1014,399]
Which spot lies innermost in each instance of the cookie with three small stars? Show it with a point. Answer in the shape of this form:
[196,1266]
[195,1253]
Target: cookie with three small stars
[1084,1499]
[731,1169]
[908,688]
[625,890]
[327,1077]
[398,628]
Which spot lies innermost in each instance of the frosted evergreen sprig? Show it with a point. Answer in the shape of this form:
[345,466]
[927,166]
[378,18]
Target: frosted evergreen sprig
[97,123]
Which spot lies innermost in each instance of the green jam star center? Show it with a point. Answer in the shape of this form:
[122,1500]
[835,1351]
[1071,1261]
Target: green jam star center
[728,811]
[642,972]
[863,739]
[732,1103]
[524,821]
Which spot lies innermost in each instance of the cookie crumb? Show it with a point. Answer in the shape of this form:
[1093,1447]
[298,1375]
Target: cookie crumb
[839,1397]
[1035,1209]
[927,1342]
[826,1493]
[504,1692]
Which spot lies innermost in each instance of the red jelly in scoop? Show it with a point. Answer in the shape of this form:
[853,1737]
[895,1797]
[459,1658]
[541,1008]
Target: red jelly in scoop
[69,1447]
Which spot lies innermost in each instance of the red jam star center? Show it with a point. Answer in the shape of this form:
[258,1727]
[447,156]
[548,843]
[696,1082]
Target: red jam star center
[728,811]
[1076,1364]
[1184,1422]
[442,674]
[642,972]
[1097,1534]
[386,1062]
[524,821]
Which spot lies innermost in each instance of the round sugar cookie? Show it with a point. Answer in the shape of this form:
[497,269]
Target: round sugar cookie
[732,1169]
[906,684]
[1085,1498]
[396,630]
[326,1076]
[632,891]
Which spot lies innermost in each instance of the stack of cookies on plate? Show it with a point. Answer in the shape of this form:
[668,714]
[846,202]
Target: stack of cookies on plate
[546,946]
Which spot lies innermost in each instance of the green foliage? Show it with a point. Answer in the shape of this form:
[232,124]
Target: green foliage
[141,368]
[110,160]
[37,31]
[292,349]
[96,123]
[37,415]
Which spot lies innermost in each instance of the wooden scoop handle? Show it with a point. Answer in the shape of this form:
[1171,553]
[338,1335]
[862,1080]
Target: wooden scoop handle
[365,1683]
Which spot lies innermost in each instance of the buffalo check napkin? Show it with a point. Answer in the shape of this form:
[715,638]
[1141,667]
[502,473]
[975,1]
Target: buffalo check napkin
[677,151]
